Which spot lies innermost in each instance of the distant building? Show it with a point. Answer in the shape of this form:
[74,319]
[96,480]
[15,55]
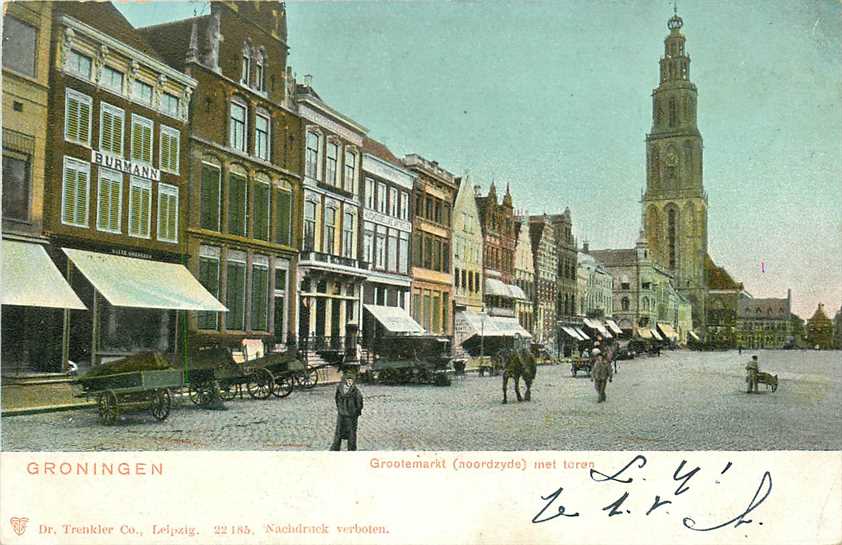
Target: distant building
[764,323]
[595,287]
[722,304]
[644,296]
[432,276]
[545,257]
[566,255]
[385,233]
[837,329]
[467,263]
[499,241]
[820,329]
[525,276]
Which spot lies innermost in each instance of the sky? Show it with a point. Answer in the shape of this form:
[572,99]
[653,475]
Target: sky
[553,98]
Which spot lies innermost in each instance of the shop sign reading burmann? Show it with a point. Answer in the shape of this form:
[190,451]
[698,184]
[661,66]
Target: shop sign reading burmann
[123,165]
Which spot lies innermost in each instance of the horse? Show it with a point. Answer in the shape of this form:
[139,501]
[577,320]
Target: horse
[518,364]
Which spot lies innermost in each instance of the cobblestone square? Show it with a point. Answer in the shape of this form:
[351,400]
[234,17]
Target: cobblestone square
[679,401]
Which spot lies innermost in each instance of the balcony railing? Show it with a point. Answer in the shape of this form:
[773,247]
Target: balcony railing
[322,257]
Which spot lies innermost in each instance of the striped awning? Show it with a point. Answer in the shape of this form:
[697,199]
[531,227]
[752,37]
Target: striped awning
[612,325]
[572,333]
[667,330]
[656,335]
[582,334]
[644,333]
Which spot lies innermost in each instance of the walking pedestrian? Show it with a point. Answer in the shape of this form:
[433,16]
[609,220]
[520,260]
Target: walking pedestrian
[600,375]
[349,407]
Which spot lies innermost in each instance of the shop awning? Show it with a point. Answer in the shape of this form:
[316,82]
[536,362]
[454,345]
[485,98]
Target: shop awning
[395,319]
[572,333]
[591,323]
[667,330]
[644,333]
[695,337]
[496,287]
[509,327]
[582,334]
[516,292]
[140,283]
[656,335]
[612,325]
[31,279]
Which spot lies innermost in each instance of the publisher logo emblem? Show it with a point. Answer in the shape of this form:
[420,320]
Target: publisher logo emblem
[19,524]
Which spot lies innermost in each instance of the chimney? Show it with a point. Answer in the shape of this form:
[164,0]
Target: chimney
[308,80]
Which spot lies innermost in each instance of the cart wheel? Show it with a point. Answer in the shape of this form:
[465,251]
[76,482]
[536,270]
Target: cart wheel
[260,384]
[228,391]
[283,386]
[107,408]
[161,402]
[308,378]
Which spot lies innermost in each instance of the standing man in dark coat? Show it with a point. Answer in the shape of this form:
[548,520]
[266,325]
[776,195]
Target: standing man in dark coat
[600,374]
[349,407]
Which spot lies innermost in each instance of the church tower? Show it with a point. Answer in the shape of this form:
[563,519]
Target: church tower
[675,203]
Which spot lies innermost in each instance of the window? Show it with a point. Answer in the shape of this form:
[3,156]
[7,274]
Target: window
[330,229]
[77,117]
[235,291]
[18,46]
[262,193]
[393,202]
[112,78]
[169,104]
[350,170]
[380,248]
[309,226]
[279,331]
[260,293]
[369,193]
[210,204]
[16,185]
[417,248]
[283,216]
[392,262]
[140,207]
[111,129]
[209,278]
[262,136]
[141,139]
[74,194]
[348,235]
[142,91]
[169,152]
[332,157]
[381,198]
[368,242]
[245,66]
[237,135]
[259,74]
[312,155]
[237,204]
[403,251]
[109,200]
[77,63]
[673,238]
[404,206]
[167,213]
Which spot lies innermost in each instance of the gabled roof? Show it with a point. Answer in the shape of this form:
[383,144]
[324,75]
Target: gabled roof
[819,315]
[106,18]
[379,150]
[763,309]
[615,258]
[717,278]
[172,39]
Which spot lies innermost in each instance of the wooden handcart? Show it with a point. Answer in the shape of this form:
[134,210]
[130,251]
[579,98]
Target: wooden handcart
[131,391]
[213,371]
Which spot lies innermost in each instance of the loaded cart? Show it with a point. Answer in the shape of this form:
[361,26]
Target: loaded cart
[135,383]
[212,370]
[287,371]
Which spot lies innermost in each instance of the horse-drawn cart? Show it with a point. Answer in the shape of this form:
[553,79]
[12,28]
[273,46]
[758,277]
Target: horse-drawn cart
[408,359]
[137,383]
